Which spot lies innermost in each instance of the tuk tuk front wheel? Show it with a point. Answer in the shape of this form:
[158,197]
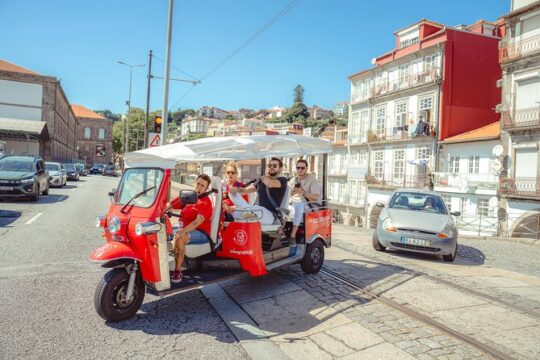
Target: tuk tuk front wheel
[110,298]
[313,258]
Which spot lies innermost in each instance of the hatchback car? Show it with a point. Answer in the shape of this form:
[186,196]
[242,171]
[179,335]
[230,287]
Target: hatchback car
[97,168]
[23,177]
[72,173]
[57,174]
[417,221]
[109,170]
[81,169]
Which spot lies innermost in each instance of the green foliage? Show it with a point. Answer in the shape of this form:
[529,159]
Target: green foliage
[108,114]
[298,112]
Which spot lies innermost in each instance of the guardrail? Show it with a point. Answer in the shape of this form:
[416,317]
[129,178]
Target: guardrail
[528,117]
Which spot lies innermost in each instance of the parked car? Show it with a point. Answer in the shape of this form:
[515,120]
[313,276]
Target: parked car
[57,174]
[97,168]
[81,169]
[110,170]
[72,173]
[417,221]
[23,177]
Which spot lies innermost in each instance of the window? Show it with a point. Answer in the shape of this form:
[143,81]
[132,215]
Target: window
[483,207]
[409,42]
[353,188]
[448,201]
[101,134]
[425,102]
[245,170]
[87,133]
[401,113]
[423,153]
[380,120]
[430,62]
[354,134]
[453,165]
[404,73]
[362,159]
[378,169]
[474,164]
[355,157]
[399,164]
[363,125]
[258,170]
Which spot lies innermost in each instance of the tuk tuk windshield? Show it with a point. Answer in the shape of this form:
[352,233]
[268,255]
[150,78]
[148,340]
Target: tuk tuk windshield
[135,181]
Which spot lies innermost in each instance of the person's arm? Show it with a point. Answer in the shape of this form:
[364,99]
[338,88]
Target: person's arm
[246,190]
[314,192]
[193,226]
[271,183]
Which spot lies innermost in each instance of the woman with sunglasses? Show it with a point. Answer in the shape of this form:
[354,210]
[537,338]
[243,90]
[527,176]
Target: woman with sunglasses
[230,181]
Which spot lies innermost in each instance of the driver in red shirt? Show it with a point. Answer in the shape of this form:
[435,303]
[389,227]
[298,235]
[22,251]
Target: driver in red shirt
[197,221]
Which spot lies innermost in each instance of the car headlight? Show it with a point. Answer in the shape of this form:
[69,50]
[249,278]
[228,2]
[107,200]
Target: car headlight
[28,181]
[388,226]
[447,232]
[113,224]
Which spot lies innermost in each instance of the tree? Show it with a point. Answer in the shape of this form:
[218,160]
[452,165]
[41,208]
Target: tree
[299,111]
[108,114]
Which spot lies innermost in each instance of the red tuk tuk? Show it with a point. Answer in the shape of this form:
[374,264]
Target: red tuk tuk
[137,229]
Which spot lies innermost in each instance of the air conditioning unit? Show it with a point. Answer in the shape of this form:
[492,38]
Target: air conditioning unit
[498,108]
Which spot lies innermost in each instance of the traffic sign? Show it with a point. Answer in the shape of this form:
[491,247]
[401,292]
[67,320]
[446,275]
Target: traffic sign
[154,139]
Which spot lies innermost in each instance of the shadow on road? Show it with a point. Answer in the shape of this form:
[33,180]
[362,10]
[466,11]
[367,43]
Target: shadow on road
[43,199]
[8,216]
[466,255]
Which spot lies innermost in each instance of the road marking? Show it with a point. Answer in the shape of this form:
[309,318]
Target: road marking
[33,219]
[64,197]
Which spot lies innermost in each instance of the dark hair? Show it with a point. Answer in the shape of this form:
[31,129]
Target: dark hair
[278,160]
[205,178]
[302,161]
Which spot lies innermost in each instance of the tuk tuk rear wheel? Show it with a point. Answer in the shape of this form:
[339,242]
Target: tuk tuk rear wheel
[313,258]
[110,297]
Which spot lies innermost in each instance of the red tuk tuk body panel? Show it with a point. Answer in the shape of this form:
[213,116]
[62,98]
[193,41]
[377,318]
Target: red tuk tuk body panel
[319,222]
[243,241]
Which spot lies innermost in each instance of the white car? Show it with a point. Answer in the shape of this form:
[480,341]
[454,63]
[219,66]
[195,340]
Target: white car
[57,174]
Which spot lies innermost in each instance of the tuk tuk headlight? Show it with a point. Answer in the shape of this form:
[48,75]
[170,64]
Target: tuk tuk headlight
[113,224]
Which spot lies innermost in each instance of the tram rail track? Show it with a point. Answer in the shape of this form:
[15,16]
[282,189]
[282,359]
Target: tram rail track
[462,288]
[370,295]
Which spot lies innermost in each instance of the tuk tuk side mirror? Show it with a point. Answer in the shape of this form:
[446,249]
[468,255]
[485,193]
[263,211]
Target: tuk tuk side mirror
[455,213]
[188,196]
[111,194]
[379,204]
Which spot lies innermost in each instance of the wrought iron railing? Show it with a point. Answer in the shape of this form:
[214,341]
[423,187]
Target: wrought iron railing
[529,187]
[466,183]
[518,49]
[396,133]
[405,82]
[521,118]
[398,180]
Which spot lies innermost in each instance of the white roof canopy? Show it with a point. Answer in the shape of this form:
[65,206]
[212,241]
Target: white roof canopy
[228,148]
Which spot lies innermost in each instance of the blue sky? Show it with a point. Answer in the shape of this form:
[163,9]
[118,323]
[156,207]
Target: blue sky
[317,44]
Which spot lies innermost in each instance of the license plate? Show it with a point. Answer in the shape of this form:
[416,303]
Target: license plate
[413,241]
[8,188]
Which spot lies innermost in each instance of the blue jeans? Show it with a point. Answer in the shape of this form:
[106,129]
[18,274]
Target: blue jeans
[198,237]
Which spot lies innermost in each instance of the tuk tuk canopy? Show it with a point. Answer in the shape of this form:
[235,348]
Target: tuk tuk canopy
[228,148]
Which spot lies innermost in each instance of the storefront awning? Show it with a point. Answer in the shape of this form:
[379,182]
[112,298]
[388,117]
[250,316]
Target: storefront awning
[19,128]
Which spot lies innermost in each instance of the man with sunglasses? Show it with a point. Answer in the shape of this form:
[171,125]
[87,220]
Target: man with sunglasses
[270,189]
[305,189]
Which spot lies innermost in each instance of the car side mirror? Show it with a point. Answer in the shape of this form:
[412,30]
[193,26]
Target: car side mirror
[379,204]
[455,213]
[188,196]
[112,192]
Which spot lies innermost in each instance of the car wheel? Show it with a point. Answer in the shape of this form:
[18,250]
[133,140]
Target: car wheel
[46,192]
[35,197]
[452,256]
[313,258]
[375,241]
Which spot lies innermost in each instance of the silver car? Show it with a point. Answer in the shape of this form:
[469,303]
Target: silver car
[417,221]
[57,174]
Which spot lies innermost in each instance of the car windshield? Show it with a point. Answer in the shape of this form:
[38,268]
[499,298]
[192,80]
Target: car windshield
[8,164]
[79,166]
[136,180]
[109,167]
[98,165]
[417,201]
[52,166]
[69,166]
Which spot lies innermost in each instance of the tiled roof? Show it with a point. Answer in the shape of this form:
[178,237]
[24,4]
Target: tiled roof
[81,111]
[488,132]
[6,66]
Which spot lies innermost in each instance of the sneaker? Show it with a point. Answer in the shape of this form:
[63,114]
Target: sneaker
[177,277]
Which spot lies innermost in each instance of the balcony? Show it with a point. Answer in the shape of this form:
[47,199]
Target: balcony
[465,183]
[522,118]
[397,134]
[392,181]
[519,49]
[520,187]
[406,82]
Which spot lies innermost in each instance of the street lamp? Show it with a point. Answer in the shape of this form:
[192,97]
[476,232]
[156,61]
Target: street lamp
[126,128]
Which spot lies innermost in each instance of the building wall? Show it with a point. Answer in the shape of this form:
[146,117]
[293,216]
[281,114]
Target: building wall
[20,100]
[88,147]
[471,70]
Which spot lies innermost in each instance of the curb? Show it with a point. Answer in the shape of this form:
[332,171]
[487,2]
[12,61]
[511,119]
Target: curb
[255,341]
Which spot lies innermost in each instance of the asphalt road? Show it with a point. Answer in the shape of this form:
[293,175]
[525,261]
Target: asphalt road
[47,288]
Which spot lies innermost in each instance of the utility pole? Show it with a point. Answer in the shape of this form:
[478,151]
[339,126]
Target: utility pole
[126,127]
[167,70]
[148,100]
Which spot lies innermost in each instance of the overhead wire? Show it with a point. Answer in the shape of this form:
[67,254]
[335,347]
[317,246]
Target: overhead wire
[177,68]
[244,44]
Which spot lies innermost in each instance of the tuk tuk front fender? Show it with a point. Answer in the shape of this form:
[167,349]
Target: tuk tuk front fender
[326,242]
[114,252]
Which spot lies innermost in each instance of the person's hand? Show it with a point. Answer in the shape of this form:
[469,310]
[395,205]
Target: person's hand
[230,209]
[297,191]
[179,234]
[234,191]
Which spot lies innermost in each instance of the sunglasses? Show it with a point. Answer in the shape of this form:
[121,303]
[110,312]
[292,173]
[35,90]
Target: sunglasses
[275,166]
[231,172]
[300,168]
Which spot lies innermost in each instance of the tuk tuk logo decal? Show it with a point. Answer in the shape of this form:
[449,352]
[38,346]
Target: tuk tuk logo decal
[240,237]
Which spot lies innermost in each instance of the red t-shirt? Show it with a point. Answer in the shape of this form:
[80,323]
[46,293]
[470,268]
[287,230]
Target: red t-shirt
[201,207]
